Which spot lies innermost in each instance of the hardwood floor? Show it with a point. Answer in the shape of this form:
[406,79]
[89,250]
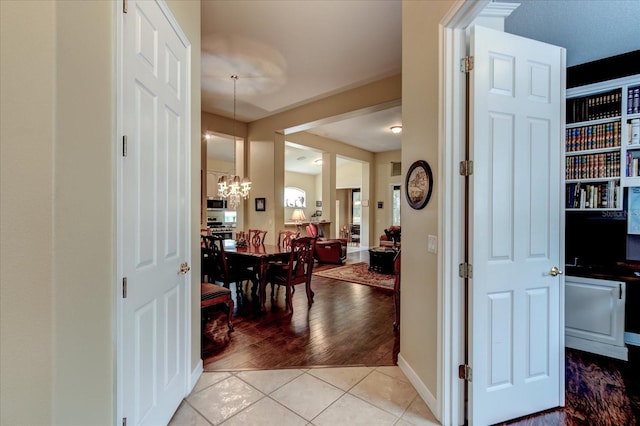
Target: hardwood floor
[348,324]
[599,391]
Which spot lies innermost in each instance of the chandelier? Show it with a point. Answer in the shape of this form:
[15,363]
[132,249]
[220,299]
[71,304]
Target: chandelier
[231,187]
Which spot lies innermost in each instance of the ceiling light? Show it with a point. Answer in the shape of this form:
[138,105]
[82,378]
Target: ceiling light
[396,129]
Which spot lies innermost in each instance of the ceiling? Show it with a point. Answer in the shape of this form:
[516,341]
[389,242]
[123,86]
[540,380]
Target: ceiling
[288,53]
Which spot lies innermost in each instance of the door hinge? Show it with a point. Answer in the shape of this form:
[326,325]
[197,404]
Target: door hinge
[124,421]
[124,287]
[466,64]
[124,145]
[466,168]
[464,372]
[465,270]
[125,6]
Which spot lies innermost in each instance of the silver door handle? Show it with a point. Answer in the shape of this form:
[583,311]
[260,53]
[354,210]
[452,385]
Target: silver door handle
[555,271]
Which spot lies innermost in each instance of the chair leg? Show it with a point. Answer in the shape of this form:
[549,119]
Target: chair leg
[230,306]
[289,299]
[310,293]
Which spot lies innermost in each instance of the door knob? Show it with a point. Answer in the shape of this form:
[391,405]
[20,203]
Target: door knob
[555,271]
[184,268]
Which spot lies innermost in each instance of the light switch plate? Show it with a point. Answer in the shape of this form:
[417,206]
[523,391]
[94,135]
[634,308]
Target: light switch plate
[432,246]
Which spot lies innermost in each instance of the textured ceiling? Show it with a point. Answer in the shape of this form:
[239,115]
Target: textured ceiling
[288,53]
[588,29]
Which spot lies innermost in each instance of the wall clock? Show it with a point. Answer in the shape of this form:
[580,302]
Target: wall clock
[418,184]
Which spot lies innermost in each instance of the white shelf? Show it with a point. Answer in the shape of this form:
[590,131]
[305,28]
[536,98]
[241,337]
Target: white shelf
[622,84]
[594,151]
[594,122]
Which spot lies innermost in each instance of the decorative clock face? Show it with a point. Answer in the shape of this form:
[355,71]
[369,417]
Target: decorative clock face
[418,184]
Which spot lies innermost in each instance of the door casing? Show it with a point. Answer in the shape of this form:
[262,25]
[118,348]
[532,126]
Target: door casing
[453,47]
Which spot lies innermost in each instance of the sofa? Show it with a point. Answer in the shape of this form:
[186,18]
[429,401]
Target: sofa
[391,237]
[328,250]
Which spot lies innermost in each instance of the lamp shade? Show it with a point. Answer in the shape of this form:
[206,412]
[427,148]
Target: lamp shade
[298,215]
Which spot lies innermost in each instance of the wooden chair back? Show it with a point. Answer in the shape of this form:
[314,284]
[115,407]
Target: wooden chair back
[226,272]
[312,230]
[297,270]
[214,261]
[285,238]
[256,236]
[301,260]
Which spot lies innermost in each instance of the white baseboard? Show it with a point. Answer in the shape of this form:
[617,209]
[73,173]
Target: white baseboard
[195,376]
[619,352]
[423,391]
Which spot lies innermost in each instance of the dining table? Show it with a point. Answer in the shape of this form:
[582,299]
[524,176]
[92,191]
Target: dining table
[259,256]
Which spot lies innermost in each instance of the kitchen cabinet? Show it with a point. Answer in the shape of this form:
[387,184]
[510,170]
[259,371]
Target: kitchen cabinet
[594,316]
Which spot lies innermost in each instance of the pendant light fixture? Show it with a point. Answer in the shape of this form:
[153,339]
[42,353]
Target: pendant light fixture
[231,187]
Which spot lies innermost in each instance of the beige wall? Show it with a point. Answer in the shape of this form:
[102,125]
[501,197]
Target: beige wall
[27,127]
[263,187]
[216,165]
[349,175]
[84,213]
[384,182]
[420,142]
[58,208]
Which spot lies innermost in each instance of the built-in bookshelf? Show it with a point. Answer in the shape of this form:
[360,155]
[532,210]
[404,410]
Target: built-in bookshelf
[602,150]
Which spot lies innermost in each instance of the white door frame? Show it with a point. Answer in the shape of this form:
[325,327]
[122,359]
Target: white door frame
[453,46]
[118,170]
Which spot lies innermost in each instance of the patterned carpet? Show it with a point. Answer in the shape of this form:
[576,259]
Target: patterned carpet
[358,273]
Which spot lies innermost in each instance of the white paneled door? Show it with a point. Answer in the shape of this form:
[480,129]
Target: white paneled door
[155,234]
[517,101]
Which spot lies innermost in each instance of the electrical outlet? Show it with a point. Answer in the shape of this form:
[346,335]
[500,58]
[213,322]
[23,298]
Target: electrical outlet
[432,246]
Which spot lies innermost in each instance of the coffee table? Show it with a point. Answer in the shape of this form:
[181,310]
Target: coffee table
[381,259]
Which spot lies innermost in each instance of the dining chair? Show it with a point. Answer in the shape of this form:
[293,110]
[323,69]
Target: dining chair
[256,236]
[226,272]
[211,295]
[297,270]
[285,237]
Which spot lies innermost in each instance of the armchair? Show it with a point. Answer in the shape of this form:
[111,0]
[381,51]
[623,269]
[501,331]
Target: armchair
[391,237]
[328,250]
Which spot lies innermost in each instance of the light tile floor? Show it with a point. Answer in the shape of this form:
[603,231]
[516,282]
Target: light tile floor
[340,396]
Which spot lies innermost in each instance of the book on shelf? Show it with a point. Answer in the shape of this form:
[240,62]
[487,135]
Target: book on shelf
[633,100]
[595,107]
[590,166]
[597,136]
[597,195]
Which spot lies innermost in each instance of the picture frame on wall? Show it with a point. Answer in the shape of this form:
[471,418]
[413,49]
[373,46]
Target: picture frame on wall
[418,184]
[261,204]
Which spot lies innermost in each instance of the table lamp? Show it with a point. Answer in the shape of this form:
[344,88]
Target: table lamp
[298,216]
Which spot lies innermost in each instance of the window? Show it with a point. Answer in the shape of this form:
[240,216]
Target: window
[395,205]
[294,197]
[355,206]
